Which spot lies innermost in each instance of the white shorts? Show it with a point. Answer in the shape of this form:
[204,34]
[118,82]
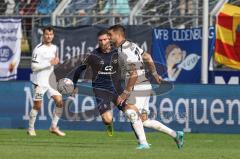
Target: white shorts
[140,97]
[38,92]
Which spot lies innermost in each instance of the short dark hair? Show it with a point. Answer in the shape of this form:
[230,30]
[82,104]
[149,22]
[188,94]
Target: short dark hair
[102,32]
[49,28]
[118,28]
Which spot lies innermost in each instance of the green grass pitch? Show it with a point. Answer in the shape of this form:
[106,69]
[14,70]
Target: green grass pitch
[15,144]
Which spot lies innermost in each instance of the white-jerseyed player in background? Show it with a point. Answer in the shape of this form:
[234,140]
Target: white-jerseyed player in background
[140,95]
[45,56]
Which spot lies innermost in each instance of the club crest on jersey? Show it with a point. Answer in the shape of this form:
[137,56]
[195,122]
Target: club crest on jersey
[115,61]
[101,62]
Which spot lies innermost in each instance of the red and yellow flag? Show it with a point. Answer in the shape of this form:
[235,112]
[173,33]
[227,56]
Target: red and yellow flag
[227,46]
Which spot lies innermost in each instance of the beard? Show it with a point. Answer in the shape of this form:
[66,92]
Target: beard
[106,47]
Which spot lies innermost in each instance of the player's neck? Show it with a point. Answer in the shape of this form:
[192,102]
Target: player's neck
[46,43]
[107,50]
[120,42]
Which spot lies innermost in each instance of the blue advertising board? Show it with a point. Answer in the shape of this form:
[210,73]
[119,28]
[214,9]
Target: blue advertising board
[192,108]
[179,51]
[224,77]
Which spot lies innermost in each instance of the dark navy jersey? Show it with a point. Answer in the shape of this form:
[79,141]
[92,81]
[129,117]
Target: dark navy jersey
[105,70]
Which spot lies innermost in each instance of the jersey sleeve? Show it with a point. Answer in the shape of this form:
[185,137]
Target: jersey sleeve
[80,69]
[138,50]
[57,52]
[37,62]
[77,74]
[87,60]
[134,57]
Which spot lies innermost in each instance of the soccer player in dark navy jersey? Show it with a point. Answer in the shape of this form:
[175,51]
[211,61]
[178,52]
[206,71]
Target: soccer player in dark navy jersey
[105,81]
[104,62]
[105,70]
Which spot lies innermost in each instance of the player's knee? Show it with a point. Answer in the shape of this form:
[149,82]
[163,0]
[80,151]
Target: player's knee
[59,104]
[37,105]
[144,117]
[107,119]
[58,100]
[131,115]
[132,107]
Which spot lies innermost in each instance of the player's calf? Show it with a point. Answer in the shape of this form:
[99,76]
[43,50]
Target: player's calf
[132,115]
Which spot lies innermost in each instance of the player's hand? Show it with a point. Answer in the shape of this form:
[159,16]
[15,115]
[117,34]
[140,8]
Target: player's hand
[75,91]
[122,98]
[158,78]
[11,67]
[54,61]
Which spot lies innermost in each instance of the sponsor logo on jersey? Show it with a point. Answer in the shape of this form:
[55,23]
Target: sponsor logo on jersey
[108,68]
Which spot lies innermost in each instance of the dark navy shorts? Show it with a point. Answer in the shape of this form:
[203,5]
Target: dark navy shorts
[104,99]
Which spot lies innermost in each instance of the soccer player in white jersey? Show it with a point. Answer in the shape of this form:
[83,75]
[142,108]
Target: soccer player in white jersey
[45,56]
[131,52]
[105,83]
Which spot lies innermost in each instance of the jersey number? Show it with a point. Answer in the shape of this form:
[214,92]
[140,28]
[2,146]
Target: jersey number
[34,57]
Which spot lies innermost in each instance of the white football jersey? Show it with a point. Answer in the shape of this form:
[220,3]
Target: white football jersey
[41,67]
[130,53]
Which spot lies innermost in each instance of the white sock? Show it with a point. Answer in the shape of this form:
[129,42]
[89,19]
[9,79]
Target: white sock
[154,124]
[56,116]
[137,125]
[32,118]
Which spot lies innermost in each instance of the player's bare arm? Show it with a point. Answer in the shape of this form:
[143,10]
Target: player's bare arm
[54,61]
[133,76]
[147,59]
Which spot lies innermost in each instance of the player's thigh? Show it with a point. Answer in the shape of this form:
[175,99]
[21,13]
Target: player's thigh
[103,99]
[141,97]
[57,97]
[38,94]
[131,99]
[143,104]
[58,100]
[130,106]
[53,92]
